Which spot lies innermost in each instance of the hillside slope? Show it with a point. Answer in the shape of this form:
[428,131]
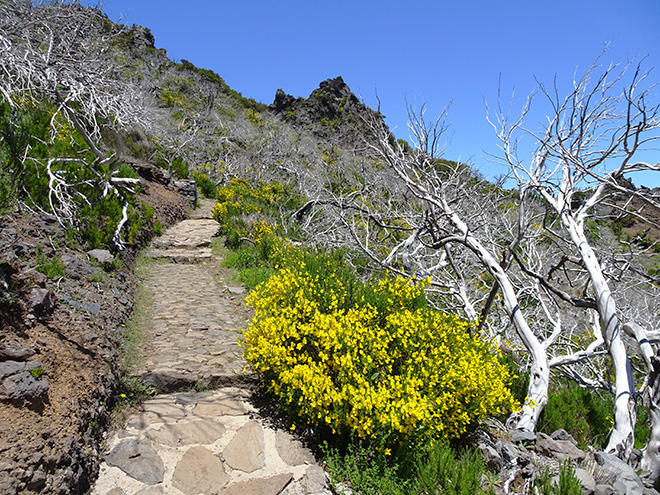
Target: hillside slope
[99,141]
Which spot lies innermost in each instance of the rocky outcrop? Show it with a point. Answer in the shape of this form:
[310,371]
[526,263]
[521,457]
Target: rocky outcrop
[21,381]
[332,112]
[526,456]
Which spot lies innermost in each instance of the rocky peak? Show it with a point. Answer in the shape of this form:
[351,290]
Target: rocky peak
[282,102]
[335,87]
[331,112]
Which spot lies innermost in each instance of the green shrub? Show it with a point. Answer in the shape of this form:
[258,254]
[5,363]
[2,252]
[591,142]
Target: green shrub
[585,414]
[47,135]
[567,484]
[439,471]
[205,186]
[179,168]
[253,277]
[243,257]
[7,190]
[52,268]
[430,471]
[365,471]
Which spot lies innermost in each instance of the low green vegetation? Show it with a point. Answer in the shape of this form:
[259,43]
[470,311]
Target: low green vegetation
[57,148]
[37,372]
[51,266]
[586,414]
[205,186]
[131,389]
[566,484]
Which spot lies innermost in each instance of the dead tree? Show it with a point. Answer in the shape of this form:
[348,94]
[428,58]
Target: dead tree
[61,53]
[581,156]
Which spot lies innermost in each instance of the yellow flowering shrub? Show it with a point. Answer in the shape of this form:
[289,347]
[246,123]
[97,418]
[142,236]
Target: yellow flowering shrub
[368,359]
[240,199]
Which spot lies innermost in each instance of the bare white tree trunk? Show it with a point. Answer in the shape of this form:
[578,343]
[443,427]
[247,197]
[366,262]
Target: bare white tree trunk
[539,377]
[625,416]
[650,463]
[583,154]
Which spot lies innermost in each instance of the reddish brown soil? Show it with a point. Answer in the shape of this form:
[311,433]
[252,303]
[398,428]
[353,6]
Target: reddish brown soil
[51,445]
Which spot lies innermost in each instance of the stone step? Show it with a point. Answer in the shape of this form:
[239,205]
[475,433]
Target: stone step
[208,442]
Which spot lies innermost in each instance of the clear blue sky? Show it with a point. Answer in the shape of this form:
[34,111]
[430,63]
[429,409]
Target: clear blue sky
[425,51]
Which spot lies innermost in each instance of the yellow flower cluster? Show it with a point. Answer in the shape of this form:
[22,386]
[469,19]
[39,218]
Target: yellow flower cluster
[240,197]
[372,359]
[262,230]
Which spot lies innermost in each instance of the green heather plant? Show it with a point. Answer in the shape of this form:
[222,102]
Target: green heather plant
[205,186]
[439,471]
[365,472]
[436,469]
[52,268]
[566,484]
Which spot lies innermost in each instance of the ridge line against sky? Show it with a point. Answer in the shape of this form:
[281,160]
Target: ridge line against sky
[422,51]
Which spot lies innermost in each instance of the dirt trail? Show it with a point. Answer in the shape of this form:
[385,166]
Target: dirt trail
[211,442]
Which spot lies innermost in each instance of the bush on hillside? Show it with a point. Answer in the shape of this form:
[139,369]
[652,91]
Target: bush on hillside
[372,359]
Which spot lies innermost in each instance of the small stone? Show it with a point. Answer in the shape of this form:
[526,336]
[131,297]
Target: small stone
[220,406]
[559,449]
[199,471]
[76,268]
[315,479]
[193,432]
[562,434]
[41,300]
[236,291]
[15,352]
[23,386]
[519,436]
[167,380]
[587,481]
[151,490]
[139,460]
[38,480]
[93,308]
[511,451]
[604,490]
[116,491]
[261,486]
[291,451]
[164,408]
[626,479]
[101,255]
[8,368]
[245,451]
[490,455]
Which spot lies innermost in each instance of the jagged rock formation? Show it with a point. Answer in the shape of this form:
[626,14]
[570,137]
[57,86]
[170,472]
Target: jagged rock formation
[332,113]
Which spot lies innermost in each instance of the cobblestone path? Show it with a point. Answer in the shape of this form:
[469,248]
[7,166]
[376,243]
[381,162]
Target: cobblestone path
[183,442]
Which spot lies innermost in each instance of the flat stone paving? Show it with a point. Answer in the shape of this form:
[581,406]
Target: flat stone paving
[213,442]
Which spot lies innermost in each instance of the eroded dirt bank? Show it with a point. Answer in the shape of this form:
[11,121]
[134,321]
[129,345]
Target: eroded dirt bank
[59,338]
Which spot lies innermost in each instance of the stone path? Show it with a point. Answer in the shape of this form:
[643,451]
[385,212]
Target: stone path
[212,442]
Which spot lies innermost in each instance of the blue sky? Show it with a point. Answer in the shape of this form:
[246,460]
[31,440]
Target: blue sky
[423,51]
